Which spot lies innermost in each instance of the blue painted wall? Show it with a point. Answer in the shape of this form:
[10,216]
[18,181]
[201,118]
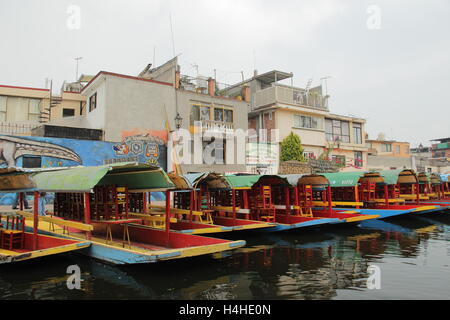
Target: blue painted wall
[84,152]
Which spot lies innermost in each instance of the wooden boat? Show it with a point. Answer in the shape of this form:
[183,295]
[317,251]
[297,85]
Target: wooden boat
[225,200]
[375,192]
[184,211]
[18,243]
[100,197]
[296,201]
[432,189]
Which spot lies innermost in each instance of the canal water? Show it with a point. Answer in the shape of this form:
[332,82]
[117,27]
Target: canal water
[411,256]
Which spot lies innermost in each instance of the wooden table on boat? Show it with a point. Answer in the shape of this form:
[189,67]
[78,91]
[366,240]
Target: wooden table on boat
[122,222]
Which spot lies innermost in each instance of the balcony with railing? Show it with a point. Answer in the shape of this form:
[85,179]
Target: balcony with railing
[312,98]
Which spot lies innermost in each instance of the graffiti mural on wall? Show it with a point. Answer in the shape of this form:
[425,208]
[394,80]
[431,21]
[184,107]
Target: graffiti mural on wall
[59,152]
[149,146]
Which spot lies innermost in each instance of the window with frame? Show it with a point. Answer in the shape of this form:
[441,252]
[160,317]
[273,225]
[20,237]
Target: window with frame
[397,149]
[309,155]
[307,122]
[338,160]
[199,112]
[3,108]
[223,114]
[68,112]
[386,147]
[358,159]
[337,130]
[33,109]
[93,102]
[357,133]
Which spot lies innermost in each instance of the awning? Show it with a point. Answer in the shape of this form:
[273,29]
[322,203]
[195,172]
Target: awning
[136,177]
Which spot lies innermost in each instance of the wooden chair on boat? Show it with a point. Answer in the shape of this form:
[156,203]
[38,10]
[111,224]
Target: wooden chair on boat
[263,204]
[13,235]
[306,201]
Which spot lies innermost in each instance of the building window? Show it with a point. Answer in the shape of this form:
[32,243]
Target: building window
[200,112]
[337,130]
[218,114]
[33,109]
[307,122]
[397,149]
[31,162]
[309,155]
[386,147]
[357,133]
[68,113]
[338,160]
[358,159]
[228,115]
[2,108]
[93,102]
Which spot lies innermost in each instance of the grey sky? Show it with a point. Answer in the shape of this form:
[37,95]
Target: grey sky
[397,76]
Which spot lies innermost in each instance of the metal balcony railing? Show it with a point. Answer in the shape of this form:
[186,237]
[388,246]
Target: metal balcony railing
[290,95]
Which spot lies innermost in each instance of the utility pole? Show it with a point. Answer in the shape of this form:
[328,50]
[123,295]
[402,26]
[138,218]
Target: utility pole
[77,59]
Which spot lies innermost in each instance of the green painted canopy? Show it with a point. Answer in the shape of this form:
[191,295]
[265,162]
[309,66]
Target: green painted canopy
[391,176]
[134,176]
[343,179]
[244,181]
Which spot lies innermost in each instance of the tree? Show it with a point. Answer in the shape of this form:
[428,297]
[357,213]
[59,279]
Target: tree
[291,148]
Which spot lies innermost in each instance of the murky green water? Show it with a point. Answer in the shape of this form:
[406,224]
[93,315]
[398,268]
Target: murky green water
[413,254]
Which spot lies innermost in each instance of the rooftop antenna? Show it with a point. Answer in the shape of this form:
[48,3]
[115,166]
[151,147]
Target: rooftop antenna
[308,85]
[171,30]
[77,59]
[326,83]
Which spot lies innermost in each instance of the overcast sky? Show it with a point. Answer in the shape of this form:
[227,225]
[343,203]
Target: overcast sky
[389,61]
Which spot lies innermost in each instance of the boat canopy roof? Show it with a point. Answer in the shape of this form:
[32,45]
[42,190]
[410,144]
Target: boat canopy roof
[344,179]
[424,177]
[316,180]
[445,177]
[180,182]
[435,178]
[135,176]
[16,180]
[399,176]
[241,181]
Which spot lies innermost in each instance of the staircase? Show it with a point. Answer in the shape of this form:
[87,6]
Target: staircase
[45,114]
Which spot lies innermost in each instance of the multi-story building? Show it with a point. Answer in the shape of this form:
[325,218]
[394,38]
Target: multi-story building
[155,103]
[388,154]
[441,149]
[305,112]
[22,108]
[389,148]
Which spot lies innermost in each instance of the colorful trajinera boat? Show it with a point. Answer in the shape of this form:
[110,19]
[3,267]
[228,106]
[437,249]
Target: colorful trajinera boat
[101,197]
[265,202]
[380,192]
[16,242]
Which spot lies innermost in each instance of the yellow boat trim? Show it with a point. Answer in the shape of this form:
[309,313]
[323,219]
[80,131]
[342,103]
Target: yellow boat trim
[362,217]
[389,200]
[338,203]
[60,222]
[425,208]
